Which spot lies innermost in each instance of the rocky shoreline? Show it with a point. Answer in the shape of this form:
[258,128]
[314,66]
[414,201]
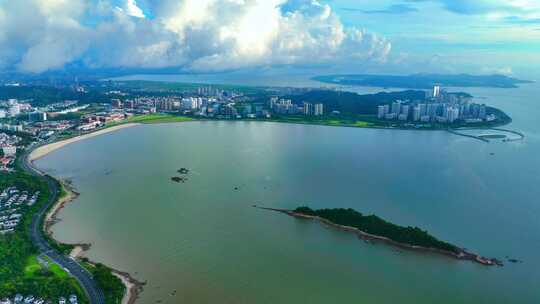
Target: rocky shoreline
[463,254]
[52,216]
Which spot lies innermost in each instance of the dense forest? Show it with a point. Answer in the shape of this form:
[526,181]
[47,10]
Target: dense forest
[352,103]
[112,286]
[45,95]
[375,225]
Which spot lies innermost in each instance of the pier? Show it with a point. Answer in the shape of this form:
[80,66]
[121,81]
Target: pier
[484,138]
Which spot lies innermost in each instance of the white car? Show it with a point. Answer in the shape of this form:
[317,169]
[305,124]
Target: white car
[29,299]
[73,299]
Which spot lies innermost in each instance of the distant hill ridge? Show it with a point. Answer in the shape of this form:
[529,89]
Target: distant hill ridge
[423,81]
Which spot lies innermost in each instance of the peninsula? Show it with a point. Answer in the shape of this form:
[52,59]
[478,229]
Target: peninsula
[373,228]
[422,81]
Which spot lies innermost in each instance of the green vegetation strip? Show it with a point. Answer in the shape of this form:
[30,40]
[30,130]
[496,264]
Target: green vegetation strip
[20,269]
[112,286]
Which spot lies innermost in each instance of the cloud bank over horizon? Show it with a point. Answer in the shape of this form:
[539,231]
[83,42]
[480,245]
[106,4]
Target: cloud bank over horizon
[193,35]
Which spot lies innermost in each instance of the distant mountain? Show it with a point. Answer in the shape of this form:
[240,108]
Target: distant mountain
[423,81]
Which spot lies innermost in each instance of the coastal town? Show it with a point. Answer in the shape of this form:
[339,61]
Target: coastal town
[436,108]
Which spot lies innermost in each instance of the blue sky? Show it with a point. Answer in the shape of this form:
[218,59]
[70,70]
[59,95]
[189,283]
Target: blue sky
[483,36]
[384,36]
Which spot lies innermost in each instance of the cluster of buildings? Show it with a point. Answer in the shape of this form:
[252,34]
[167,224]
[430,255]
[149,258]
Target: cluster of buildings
[213,102]
[203,101]
[13,108]
[93,121]
[20,299]
[8,143]
[286,106]
[439,106]
[11,202]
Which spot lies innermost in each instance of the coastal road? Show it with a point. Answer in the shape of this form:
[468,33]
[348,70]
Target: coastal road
[83,276]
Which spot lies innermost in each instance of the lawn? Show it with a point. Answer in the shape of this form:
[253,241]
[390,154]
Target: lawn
[158,118]
[362,124]
[33,266]
[57,270]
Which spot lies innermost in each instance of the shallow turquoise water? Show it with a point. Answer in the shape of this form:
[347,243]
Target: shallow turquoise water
[204,240]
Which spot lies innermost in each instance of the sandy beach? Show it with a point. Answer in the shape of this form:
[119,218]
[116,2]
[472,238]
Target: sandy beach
[44,150]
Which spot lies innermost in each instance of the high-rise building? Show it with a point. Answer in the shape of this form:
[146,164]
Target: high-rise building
[453,114]
[37,116]
[432,109]
[191,103]
[436,91]
[319,109]
[416,113]
[308,108]
[423,109]
[382,111]
[405,109]
[396,107]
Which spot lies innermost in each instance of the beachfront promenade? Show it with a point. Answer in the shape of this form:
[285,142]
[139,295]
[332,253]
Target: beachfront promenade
[83,276]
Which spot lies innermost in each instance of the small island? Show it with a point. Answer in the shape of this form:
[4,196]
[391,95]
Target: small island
[183,171]
[373,228]
[179,179]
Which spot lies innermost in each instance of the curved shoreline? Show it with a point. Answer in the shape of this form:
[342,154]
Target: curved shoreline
[462,255]
[133,287]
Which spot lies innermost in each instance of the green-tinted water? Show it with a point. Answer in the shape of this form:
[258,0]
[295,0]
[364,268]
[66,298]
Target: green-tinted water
[203,239]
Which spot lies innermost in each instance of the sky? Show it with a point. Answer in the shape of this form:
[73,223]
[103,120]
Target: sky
[202,36]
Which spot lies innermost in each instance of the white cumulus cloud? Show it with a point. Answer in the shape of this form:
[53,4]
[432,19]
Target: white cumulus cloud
[197,35]
[130,8]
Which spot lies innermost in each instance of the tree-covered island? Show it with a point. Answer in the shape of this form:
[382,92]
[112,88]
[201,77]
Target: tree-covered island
[372,227]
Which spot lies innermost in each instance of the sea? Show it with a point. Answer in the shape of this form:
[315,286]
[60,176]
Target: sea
[202,241]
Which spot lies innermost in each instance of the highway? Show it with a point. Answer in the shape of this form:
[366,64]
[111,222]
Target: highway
[84,277]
